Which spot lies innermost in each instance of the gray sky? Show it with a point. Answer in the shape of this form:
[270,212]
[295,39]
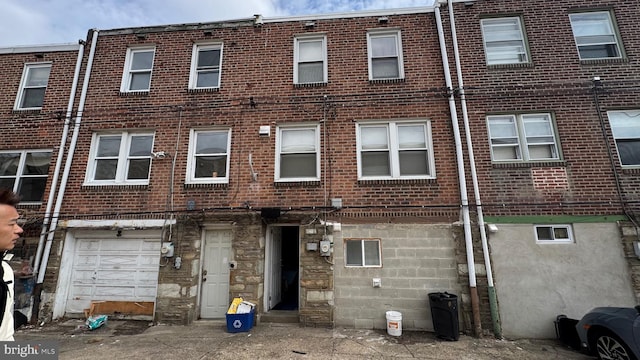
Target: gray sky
[37,22]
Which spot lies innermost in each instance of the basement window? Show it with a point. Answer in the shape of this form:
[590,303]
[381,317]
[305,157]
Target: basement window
[362,253]
[553,234]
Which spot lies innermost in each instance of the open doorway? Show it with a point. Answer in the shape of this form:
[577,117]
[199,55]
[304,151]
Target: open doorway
[282,268]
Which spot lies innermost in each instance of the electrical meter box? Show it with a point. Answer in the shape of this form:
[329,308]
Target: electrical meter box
[325,248]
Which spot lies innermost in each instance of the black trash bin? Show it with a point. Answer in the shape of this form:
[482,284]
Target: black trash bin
[444,312]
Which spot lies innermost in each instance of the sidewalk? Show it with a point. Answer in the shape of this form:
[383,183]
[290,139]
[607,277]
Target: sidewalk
[120,339]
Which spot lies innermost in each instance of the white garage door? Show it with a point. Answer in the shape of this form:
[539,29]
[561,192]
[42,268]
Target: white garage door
[114,268]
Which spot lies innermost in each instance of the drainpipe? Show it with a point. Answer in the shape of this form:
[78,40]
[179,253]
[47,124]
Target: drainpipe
[493,302]
[56,173]
[67,165]
[464,202]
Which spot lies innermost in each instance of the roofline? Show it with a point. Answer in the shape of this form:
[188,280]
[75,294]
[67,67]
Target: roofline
[40,48]
[353,14]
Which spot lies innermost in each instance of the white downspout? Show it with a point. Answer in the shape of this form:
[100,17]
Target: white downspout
[493,303]
[464,202]
[67,165]
[56,173]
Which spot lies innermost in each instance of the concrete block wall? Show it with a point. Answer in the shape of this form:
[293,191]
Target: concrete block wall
[416,259]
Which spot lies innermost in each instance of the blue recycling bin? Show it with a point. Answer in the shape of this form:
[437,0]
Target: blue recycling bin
[240,322]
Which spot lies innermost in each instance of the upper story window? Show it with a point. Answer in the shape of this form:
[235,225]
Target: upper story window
[553,234]
[137,70]
[522,137]
[298,153]
[504,41]
[625,126]
[209,156]
[395,150]
[362,253]
[385,55]
[310,59]
[206,66]
[120,159]
[32,87]
[25,172]
[595,35]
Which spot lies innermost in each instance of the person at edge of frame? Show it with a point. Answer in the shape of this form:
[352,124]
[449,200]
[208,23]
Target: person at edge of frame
[9,234]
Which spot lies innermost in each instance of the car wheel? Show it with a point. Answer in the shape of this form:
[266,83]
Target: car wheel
[609,347]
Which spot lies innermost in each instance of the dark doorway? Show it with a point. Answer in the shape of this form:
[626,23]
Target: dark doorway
[289,268]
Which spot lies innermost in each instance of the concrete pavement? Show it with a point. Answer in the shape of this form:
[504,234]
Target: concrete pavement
[120,339]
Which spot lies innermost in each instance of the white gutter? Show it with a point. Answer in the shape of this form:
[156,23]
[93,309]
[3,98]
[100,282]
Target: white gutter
[67,165]
[63,142]
[476,188]
[464,202]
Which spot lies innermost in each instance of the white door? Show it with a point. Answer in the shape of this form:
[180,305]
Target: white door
[274,267]
[215,274]
[110,268]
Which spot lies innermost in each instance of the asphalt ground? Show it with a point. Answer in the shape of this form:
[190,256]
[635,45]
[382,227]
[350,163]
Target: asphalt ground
[126,339]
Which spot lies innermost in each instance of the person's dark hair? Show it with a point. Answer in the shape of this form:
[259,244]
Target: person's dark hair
[8,197]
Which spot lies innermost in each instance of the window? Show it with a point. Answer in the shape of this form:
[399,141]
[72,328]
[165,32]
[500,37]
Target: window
[206,65]
[595,35]
[310,60]
[362,252]
[625,126]
[553,234]
[385,55]
[395,150]
[25,172]
[137,70]
[298,155]
[123,158]
[209,156]
[32,88]
[523,137]
[504,41]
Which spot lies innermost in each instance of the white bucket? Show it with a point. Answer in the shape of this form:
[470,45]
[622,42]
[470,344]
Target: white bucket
[394,323]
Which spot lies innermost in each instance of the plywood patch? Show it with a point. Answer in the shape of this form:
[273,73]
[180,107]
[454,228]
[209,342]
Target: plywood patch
[120,308]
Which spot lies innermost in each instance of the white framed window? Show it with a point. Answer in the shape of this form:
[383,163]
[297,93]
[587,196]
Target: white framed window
[362,253]
[553,234]
[120,158]
[33,86]
[504,41]
[395,150]
[298,153]
[206,66]
[137,69]
[209,156]
[25,172]
[625,126]
[595,35]
[384,48]
[522,137]
[310,59]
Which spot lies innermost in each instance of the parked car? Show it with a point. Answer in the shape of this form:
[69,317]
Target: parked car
[611,332]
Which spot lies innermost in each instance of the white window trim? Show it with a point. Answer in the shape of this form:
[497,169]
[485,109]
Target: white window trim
[383,32]
[523,145]
[279,129]
[123,155]
[20,170]
[614,33]
[191,179]
[394,150]
[526,56]
[296,53]
[126,73]
[635,113]
[23,82]
[193,78]
[569,229]
[363,254]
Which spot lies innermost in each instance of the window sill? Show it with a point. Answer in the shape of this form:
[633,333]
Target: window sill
[519,165]
[364,182]
[206,186]
[203,90]
[631,171]
[604,61]
[300,184]
[27,111]
[510,66]
[310,85]
[133,93]
[29,205]
[111,187]
[385,81]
